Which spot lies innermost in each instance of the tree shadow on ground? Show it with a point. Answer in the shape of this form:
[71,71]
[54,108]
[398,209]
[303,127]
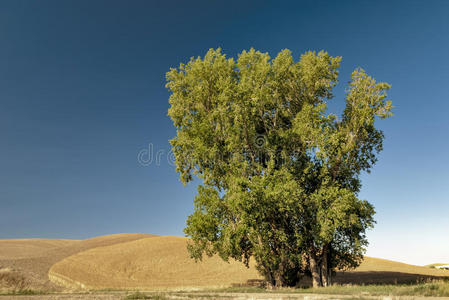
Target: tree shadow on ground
[383,277]
[363,278]
[376,278]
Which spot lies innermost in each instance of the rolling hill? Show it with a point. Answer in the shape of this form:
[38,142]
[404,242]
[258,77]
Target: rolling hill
[437,265]
[159,262]
[163,262]
[24,263]
[383,271]
[143,261]
[26,248]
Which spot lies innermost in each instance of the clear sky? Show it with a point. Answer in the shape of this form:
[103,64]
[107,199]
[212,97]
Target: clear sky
[82,93]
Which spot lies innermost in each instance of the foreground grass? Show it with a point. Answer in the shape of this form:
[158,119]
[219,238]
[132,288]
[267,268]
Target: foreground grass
[22,292]
[434,288]
[139,295]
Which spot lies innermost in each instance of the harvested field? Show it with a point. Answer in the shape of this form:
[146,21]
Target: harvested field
[371,264]
[160,262]
[383,271]
[147,262]
[163,262]
[25,248]
[28,261]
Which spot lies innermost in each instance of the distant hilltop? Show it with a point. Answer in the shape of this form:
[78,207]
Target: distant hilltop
[441,266]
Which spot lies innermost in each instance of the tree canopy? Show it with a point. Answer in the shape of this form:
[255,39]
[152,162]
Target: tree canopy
[280,174]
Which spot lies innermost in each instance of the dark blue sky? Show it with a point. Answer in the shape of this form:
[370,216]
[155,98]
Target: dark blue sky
[82,92]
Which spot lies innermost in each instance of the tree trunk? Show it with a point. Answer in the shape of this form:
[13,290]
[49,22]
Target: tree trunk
[279,276]
[325,280]
[315,270]
[270,280]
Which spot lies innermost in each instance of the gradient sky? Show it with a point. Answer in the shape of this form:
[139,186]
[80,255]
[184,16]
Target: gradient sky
[82,93]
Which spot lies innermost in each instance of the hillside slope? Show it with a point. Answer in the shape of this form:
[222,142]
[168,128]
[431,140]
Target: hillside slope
[160,262]
[24,263]
[383,271]
[129,261]
[163,262]
[371,264]
[26,248]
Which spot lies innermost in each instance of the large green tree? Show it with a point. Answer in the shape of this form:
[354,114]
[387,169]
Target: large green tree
[280,174]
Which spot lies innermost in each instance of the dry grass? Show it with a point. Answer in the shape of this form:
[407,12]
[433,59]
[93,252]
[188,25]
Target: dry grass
[11,281]
[382,271]
[141,261]
[163,262]
[31,259]
[160,262]
[25,248]
[376,264]
[438,288]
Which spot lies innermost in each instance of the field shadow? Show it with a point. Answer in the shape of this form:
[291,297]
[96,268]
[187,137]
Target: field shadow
[362,278]
[383,277]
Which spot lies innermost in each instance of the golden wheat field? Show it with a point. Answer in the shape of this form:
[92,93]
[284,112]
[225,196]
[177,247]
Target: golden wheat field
[24,263]
[143,261]
[383,265]
[158,262]
[383,271]
[26,248]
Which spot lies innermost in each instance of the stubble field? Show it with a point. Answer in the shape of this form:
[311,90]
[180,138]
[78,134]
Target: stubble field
[160,264]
